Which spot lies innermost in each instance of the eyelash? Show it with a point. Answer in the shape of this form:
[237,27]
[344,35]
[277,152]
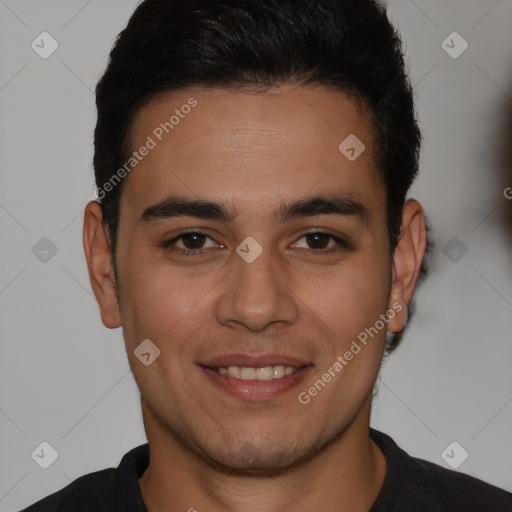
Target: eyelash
[342,244]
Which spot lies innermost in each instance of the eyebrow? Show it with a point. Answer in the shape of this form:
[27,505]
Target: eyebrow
[330,204]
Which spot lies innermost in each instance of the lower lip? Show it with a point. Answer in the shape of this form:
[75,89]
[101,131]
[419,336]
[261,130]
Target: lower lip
[256,389]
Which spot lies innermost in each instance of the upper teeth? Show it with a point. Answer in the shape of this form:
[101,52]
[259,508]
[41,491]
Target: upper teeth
[263,373]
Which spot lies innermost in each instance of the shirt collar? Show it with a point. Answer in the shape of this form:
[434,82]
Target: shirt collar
[127,494]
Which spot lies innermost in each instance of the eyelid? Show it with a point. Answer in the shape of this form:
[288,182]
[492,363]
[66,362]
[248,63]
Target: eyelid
[168,242]
[341,241]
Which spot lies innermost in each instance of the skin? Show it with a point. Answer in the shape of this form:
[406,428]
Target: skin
[254,152]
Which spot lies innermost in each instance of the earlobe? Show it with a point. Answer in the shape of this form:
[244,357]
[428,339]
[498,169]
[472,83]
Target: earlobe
[406,262]
[99,263]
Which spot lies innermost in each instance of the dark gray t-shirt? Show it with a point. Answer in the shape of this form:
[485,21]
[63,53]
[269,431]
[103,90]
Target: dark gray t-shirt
[410,485]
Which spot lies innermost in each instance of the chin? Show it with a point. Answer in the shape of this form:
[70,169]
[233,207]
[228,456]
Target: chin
[253,460]
[256,456]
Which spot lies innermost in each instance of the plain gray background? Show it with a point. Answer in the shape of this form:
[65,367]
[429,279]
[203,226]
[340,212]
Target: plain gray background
[64,377]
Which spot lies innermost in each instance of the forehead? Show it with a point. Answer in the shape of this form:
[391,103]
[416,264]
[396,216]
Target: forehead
[252,150]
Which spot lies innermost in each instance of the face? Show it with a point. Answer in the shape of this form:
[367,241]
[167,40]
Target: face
[256,301]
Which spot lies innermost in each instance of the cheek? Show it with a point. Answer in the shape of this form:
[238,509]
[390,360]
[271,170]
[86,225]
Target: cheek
[162,303]
[348,310]
[349,298]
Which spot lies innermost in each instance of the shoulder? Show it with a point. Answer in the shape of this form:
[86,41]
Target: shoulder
[460,491]
[91,492]
[420,485]
[102,491]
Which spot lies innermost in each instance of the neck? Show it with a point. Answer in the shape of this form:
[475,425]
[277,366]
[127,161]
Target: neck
[346,475]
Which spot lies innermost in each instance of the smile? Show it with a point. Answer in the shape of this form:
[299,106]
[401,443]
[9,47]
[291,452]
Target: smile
[255,378]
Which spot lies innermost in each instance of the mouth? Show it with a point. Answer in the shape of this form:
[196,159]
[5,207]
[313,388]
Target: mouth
[255,378]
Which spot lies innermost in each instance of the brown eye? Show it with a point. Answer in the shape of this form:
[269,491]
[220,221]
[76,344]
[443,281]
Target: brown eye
[193,240]
[318,241]
[192,243]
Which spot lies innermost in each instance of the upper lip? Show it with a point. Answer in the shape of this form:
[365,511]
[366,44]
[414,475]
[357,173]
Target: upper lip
[260,361]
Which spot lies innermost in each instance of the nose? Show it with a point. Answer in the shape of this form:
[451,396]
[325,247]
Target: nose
[257,294]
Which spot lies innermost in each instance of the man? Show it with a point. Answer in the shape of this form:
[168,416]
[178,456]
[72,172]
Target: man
[254,241]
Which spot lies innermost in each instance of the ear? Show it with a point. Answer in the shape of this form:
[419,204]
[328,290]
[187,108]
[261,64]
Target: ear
[99,262]
[406,262]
